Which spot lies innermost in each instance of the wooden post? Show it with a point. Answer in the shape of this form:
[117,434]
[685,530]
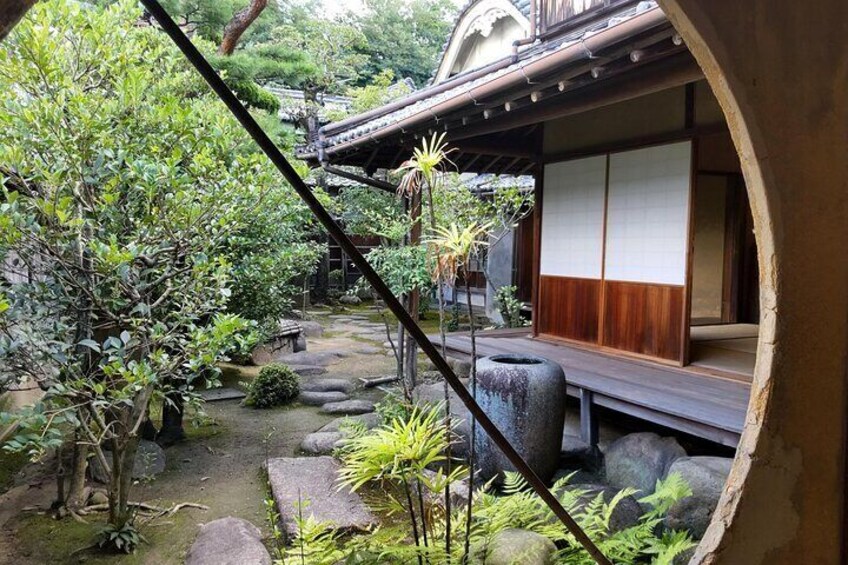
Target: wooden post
[588,420]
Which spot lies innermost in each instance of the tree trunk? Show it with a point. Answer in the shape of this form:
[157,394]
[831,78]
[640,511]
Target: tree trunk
[238,25]
[79,464]
[172,430]
[123,458]
[320,291]
[11,12]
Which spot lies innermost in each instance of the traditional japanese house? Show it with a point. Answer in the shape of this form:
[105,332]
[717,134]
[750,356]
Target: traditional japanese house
[643,262]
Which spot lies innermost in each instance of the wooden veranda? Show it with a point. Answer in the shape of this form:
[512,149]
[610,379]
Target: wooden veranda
[680,398]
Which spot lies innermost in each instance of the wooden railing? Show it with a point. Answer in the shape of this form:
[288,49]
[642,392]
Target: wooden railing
[556,14]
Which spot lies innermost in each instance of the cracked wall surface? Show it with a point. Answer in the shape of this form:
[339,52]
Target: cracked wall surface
[780,71]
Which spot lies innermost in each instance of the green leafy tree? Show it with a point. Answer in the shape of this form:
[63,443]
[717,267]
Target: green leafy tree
[123,187]
[405,37]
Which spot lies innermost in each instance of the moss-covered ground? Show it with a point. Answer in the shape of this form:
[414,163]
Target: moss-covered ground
[218,465]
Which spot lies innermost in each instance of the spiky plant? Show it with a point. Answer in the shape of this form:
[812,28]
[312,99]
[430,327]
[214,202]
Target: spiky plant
[399,453]
[423,171]
[454,248]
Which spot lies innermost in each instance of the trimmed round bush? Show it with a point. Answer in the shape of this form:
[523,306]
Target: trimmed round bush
[275,385]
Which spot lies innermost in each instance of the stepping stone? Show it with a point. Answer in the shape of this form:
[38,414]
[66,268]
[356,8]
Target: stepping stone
[228,540]
[367,350]
[308,370]
[340,317]
[327,385]
[313,398]
[371,420]
[310,485]
[321,443]
[348,407]
[322,358]
[226,393]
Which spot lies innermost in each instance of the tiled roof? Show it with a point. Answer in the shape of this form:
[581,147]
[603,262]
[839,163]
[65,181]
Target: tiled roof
[536,52]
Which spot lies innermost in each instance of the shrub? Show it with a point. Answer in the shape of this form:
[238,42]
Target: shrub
[275,385]
[509,306]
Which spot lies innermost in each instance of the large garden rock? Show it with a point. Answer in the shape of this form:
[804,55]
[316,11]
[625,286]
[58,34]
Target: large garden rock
[228,541]
[706,477]
[370,420]
[348,407]
[321,443]
[310,328]
[432,394]
[625,514]
[314,398]
[149,462]
[327,385]
[515,547]
[461,367]
[350,299]
[310,485]
[639,460]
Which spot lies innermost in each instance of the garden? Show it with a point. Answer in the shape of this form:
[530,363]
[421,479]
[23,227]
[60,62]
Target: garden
[172,390]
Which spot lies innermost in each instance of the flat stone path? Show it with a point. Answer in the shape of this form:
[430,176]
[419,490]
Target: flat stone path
[311,484]
[226,393]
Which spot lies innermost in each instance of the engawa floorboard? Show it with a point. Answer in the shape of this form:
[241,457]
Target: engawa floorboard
[696,403]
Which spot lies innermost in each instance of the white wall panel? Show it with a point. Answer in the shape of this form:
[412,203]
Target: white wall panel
[648,214]
[573,218]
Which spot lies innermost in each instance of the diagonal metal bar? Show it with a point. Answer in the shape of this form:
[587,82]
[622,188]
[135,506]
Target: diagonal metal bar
[282,164]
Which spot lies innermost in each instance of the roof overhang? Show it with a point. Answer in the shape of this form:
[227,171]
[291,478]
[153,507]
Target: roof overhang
[492,115]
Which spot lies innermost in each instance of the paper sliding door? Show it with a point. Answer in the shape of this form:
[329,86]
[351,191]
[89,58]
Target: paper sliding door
[614,245]
[647,240]
[571,257]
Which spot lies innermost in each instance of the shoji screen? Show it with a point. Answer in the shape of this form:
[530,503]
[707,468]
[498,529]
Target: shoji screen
[646,249]
[571,254]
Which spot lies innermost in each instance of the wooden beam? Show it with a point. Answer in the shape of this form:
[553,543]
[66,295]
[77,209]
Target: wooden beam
[675,72]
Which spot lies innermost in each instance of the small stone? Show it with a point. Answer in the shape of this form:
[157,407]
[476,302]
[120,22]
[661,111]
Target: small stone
[370,420]
[314,398]
[348,407]
[639,460]
[321,443]
[228,541]
[98,496]
[515,547]
[706,477]
[327,385]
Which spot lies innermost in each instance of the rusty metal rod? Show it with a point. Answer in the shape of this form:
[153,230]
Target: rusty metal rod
[282,164]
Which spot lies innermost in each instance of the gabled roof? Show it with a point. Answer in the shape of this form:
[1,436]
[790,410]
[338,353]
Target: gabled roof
[593,58]
[522,9]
